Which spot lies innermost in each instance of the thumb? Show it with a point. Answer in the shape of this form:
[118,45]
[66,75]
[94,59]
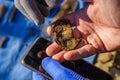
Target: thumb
[58,72]
[52,67]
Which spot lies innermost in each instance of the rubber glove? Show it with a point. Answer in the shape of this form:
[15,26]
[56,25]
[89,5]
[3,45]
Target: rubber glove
[57,71]
[36,10]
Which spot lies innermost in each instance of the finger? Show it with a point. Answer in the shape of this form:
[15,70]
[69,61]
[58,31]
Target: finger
[53,49]
[20,8]
[52,3]
[37,76]
[52,67]
[49,31]
[82,52]
[58,72]
[59,56]
[31,8]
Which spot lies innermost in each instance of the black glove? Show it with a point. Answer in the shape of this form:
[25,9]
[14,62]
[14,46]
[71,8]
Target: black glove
[36,10]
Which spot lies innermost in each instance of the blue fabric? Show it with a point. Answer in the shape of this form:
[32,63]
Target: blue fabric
[57,71]
[18,33]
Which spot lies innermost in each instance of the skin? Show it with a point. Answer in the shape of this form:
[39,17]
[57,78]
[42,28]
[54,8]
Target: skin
[99,26]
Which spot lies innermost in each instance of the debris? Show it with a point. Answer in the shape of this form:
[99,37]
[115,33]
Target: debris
[12,14]
[2,42]
[2,10]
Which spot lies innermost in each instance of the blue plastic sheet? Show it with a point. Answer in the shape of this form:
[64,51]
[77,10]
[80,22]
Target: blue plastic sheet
[18,34]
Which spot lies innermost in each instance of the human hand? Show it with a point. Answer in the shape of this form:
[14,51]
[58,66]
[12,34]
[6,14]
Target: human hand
[98,24]
[56,71]
[36,10]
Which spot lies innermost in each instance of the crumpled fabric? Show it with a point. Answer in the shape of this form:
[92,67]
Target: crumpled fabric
[19,39]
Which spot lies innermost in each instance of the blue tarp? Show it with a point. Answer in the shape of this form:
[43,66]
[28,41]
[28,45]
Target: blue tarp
[18,34]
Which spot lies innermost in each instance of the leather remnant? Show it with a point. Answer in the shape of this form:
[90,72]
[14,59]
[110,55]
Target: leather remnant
[63,35]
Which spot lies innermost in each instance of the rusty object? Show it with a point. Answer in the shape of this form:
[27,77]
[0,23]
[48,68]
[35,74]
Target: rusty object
[63,34]
[2,42]
[2,10]
[68,7]
[12,14]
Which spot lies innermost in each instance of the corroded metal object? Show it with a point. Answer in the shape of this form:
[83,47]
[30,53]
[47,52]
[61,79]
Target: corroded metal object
[63,34]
